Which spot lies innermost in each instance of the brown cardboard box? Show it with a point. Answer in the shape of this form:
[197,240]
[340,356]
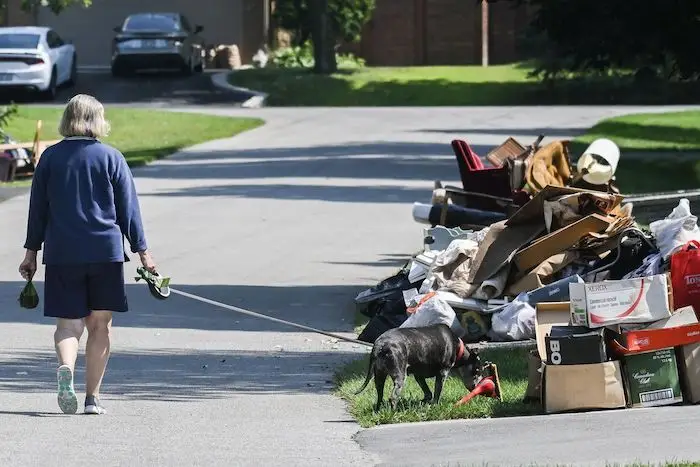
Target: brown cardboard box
[546,316]
[689,366]
[688,356]
[573,387]
[583,387]
[533,210]
[559,241]
[534,377]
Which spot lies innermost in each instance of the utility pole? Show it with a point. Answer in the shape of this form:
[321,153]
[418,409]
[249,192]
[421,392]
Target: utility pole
[484,33]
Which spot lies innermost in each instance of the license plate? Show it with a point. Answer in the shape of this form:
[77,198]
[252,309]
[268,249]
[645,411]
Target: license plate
[6,76]
[153,43]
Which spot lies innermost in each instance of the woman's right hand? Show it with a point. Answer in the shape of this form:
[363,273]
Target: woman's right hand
[147,261]
[28,267]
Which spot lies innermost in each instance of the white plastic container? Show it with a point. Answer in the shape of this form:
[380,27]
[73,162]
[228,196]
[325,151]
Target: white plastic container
[600,161]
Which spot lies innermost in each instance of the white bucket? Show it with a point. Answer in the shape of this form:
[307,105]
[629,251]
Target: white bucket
[600,160]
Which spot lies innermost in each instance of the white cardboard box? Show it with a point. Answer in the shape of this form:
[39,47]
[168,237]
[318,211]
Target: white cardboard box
[639,300]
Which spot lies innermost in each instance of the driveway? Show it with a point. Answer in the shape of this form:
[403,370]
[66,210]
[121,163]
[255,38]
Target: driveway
[291,219]
[145,89]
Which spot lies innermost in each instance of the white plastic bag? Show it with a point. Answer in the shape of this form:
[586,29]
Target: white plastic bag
[433,311]
[515,322]
[677,229]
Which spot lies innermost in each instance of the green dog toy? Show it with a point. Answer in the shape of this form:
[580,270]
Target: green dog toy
[158,285]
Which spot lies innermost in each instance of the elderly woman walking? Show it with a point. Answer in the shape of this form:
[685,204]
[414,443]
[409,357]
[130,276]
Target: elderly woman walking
[83,203]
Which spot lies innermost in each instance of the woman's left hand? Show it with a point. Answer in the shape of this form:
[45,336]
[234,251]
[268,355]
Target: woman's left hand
[28,267]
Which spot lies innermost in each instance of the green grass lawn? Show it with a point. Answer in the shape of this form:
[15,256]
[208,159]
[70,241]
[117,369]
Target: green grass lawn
[141,135]
[671,142]
[445,85]
[512,369]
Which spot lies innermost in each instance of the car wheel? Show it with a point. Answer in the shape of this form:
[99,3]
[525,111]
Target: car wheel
[73,72]
[199,68]
[188,67]
[51,91]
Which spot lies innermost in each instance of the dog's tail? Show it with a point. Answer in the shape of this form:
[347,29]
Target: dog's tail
[370,371]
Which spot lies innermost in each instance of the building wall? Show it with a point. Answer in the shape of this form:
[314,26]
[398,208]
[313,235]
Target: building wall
[15,16]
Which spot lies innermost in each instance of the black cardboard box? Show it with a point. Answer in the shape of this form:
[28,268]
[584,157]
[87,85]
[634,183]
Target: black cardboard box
[575,345]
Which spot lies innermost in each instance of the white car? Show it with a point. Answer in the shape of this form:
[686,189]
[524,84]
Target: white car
[36,59]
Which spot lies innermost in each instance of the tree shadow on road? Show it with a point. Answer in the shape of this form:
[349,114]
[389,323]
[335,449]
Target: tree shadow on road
[319,306]
[184,375]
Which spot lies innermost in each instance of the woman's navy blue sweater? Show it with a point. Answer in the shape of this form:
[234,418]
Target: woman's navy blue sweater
[83,203]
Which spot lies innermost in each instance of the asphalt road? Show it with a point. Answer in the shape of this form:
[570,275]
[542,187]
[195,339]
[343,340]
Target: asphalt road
[632,436]
[162,89]
[291,219]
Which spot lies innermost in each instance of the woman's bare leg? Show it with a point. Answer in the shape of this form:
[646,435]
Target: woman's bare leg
[99,325]
[67,340]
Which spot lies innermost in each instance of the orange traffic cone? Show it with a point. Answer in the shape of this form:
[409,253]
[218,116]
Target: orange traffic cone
[489,386]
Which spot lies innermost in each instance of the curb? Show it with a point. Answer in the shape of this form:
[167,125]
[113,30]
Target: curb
[220,80]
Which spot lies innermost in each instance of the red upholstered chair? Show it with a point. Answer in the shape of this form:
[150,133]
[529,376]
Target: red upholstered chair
[476,177]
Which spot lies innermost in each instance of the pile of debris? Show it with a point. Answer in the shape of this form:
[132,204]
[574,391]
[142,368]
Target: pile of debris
[536,249]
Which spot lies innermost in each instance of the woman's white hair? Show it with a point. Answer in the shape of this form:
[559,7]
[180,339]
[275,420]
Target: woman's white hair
[84,116]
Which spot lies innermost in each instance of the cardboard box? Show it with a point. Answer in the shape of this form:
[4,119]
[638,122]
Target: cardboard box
[559,240]
[640,300]
[546,316]
[680,317]
[652,379]
[533,210]
[575,345]
[583,387]
[646,340]
[534,377]
[689,367]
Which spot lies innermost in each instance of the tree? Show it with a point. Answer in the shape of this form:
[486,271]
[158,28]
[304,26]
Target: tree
[599,36]
[56,6]
[327,23]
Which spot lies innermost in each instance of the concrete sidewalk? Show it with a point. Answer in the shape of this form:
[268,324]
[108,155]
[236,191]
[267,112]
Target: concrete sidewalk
[291,219]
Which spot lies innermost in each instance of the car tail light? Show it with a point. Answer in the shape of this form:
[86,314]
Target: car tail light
[22,59]
[33,60]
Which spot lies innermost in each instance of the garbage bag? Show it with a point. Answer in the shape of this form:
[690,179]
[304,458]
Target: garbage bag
[430,310]
[28,297]
[515,322]
[379,325]
[390,313]
[396,283]
[677,229]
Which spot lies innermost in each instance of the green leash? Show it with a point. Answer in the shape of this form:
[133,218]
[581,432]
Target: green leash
[158,285]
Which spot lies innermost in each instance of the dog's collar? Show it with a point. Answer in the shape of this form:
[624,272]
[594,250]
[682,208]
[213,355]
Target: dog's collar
[460,350]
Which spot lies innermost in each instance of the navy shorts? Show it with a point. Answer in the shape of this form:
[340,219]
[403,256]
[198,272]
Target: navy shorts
[72,291]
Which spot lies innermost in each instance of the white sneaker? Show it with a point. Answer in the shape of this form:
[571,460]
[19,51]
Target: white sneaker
[93,406]
[67,400]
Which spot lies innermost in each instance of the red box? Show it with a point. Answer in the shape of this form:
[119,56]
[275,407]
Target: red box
[631,342]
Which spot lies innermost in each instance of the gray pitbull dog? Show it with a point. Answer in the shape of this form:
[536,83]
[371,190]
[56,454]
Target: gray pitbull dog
[425,352]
